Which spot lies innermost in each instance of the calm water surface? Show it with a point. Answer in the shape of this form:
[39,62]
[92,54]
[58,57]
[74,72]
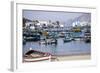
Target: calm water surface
[68,48]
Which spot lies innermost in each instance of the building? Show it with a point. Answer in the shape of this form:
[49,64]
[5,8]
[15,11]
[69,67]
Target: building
[42,24]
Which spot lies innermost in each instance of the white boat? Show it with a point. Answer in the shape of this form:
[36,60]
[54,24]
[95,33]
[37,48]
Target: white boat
[48,41]
[67,39]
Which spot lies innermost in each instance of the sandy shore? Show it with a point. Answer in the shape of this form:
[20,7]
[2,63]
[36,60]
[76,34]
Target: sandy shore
[63,58]
[73,57]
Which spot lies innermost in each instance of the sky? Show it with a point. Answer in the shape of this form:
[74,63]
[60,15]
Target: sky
[63,17]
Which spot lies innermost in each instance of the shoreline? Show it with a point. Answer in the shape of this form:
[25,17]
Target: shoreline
[73,57]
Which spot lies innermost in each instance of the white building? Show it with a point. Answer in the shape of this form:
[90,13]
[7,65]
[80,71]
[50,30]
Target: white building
[32,27]
[83,23]
[61,25]
[42,24]
[28,23]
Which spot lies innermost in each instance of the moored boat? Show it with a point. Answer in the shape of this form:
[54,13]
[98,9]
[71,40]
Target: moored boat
[87,37]
[48,41]
[67,39]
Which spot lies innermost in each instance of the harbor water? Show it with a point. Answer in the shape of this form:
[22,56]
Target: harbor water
[61,48]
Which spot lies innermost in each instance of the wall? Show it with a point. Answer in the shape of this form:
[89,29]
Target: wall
[5,34]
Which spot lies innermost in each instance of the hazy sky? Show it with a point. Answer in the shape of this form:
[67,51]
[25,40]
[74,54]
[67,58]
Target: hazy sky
[63,17]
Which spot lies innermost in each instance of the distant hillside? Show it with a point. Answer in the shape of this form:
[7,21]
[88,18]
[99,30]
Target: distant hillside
[85,17]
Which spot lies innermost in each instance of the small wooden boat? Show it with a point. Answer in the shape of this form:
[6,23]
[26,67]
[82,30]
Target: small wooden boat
[48,58]
[35,56]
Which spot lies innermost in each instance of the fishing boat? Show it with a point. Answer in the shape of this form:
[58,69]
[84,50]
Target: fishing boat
[48,41]
[88,40]
[33,38]
[54,41]
[87,37]
[61,35]
[67,37]
[42,42]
